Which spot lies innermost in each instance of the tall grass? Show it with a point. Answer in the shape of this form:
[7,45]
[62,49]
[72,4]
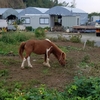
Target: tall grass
[75,38]
[6,48]
[9,42]
[15,37]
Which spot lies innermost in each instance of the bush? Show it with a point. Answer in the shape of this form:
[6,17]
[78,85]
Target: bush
[75,38]
[85,88]
[62,38]
[47,28]
[28,28]
[90,43]
[81,89]
[39,32]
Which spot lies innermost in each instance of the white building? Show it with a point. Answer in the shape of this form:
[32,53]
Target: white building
[58,15]
[94,18]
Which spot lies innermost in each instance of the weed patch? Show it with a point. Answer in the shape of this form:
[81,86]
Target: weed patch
[75,38]
[3,72]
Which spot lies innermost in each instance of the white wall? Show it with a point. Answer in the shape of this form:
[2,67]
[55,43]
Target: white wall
[3,23]
[70,21]
[94,18]
[35,20]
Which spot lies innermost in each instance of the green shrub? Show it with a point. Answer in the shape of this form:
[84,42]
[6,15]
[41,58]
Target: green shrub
[85,88]
[47,28]
[90,43]
[28,28]
[62,38]
[75,38]
[39,32]
[3,72]
[81,89]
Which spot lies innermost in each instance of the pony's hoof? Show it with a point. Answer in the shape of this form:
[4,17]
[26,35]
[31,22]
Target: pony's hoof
[46,64]
[30,66]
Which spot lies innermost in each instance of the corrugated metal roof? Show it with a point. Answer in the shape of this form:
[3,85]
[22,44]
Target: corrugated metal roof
[63,10]
[5,12]
[58,10]
[2,10]
[19,10]
[74,10]
[43,10]
[34,10]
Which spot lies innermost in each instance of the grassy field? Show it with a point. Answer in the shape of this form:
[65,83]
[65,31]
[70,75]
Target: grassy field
[78,80]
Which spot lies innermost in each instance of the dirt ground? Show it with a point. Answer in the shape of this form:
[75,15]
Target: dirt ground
[56,76]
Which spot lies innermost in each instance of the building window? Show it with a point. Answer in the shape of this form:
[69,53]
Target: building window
[77,21]
[44,20]
[26,20]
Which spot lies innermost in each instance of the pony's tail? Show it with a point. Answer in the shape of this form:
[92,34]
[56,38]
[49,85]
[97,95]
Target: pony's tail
[21,49]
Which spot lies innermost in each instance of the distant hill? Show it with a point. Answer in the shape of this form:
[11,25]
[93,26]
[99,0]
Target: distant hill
[28,3]
[12,4]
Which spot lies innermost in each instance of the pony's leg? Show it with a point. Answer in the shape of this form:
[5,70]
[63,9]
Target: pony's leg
[29,63]
[22,65]
[46,62]
[28,53]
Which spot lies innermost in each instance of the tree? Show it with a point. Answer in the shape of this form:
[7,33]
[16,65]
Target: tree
[63,4]
[12,4]
[55,2]
[93,14]
[43,3]
[31,3]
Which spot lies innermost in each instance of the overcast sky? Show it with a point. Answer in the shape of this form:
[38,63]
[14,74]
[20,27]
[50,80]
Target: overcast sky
[86,5]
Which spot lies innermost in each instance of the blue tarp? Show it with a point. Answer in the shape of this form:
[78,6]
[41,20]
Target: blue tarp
[98,21]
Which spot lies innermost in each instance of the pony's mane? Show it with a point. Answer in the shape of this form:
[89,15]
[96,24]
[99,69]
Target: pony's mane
[54,45]
[58,49]
[47,40]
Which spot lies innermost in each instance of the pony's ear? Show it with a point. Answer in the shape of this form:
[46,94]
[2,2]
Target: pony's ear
[63,55]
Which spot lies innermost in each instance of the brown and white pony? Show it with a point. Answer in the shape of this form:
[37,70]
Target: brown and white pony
[45,47]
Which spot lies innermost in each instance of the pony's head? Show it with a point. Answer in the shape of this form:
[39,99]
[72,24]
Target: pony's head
[62,59]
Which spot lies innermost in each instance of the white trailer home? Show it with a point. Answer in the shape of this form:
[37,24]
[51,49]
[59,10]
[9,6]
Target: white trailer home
[3,23]
[36,20]
[56,16]
[95,18]
[70,21]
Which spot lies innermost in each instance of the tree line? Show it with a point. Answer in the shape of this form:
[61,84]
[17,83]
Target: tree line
[44,3]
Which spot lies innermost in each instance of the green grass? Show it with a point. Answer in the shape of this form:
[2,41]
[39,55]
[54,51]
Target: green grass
[81,89]
[15,90]
[3,72]
[15,37]
[9,61]
[6,48]
[9,42]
